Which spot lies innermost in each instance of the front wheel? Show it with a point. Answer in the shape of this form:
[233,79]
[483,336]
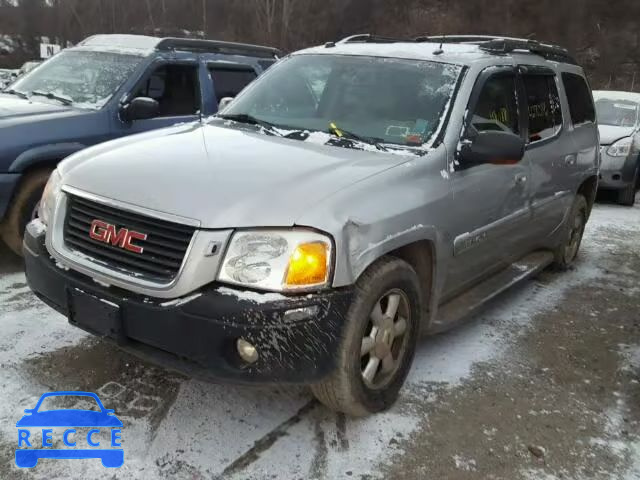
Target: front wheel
[567,251]
[627,196]
[378,343]
[24,208]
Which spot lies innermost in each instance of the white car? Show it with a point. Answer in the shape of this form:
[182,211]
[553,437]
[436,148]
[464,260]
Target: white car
[618,116]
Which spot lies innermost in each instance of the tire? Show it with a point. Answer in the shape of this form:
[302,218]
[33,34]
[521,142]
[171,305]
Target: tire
[567,251]
[627,196]
[346,389]
[22,208]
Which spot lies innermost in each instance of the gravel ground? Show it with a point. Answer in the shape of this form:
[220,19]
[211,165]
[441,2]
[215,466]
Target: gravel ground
[544,384]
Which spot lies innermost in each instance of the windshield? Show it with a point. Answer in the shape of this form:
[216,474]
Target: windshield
[392,101]
[620,113]
[84,79]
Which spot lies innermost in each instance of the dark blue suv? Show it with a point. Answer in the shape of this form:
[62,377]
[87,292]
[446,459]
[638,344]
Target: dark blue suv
[108,86]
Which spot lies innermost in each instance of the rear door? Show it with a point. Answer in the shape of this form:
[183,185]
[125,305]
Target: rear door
[550,158]
[491,201]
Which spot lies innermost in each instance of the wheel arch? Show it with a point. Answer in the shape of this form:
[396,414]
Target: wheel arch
[43,156]
[421,255]
[588,189]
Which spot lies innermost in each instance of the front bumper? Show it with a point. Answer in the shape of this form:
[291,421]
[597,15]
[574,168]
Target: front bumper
[616,173]
[8,182]
[198,335]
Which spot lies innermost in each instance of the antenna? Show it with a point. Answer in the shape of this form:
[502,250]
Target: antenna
[439,51]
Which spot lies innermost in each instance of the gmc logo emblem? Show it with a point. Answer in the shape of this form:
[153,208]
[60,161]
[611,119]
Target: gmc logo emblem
[105,233]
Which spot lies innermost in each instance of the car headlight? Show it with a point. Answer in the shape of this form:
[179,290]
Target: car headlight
[278,260]
[49,197]
[621,148]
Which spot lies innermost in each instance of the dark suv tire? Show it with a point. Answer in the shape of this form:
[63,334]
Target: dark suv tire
[23,208]
[379,341]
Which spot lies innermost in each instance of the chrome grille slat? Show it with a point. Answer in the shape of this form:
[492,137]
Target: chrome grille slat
[164,249]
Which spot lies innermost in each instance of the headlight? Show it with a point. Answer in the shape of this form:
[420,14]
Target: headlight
[49,197]
[621,148]
[278,260]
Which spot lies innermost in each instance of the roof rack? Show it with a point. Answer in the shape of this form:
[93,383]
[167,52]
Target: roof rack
[216,46]
[371,38]
[502,45]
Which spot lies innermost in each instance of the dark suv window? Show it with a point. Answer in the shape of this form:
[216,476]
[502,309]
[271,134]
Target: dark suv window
[229,82]
[579,97]
[497,107]
[545,112]
[176,89]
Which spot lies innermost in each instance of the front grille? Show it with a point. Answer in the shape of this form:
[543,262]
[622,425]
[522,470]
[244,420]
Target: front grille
[164,249]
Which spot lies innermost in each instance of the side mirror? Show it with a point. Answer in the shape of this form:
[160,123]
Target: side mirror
[141,108]
[500,148]
[224,103]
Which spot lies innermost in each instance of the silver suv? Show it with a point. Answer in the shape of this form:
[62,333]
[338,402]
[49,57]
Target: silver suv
[357,194]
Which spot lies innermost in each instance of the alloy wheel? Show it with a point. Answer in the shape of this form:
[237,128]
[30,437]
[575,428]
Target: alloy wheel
[384,344]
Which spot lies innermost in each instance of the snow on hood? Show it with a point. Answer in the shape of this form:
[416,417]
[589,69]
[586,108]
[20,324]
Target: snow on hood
[610,133]
[12,106]
[222,177]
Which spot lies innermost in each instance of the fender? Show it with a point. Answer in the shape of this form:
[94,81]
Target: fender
[44,153]
[360,256]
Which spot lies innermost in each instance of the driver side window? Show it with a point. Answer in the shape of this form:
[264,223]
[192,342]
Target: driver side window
[175,88]
[497,107]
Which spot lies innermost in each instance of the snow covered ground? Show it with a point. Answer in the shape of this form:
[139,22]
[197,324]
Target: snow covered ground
[477,403]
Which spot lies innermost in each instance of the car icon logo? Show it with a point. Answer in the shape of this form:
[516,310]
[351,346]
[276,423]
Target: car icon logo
[39,420]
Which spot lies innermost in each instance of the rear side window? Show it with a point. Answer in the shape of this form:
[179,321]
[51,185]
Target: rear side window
[497,107]
[229,82]
[579,97]
[543,103]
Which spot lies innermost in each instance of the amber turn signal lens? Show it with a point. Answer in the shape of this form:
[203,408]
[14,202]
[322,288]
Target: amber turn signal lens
[308,265]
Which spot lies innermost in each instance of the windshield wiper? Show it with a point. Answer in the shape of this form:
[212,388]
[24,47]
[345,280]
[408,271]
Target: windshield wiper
[53,96]
[341,133]
[15,92]
[250,119]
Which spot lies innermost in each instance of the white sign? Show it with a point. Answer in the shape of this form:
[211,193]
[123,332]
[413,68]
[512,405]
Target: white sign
[48,50]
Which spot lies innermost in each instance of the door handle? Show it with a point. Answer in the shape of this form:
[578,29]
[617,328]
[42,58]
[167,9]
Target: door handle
[570,160]
[520,179]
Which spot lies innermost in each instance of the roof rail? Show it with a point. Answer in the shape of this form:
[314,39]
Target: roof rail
[371,38]
[216,46]
[502,45]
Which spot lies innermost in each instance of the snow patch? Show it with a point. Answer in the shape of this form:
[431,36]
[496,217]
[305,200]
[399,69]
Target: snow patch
[251,296]
[181,301]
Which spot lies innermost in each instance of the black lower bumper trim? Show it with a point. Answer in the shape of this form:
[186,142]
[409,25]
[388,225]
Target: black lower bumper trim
[199,337]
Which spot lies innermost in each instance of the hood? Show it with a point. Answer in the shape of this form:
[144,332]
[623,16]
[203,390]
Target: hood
[220,176]
[25,124]
[610,133]
[13,107]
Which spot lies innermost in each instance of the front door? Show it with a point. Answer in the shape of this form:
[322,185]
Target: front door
[176,87]
[490,201]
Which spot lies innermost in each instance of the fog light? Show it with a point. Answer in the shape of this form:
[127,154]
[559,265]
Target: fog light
[247,352]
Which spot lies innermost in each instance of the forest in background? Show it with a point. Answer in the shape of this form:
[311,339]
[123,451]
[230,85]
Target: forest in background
[603,34]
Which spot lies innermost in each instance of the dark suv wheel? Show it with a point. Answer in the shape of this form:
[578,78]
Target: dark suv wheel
[24,208]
